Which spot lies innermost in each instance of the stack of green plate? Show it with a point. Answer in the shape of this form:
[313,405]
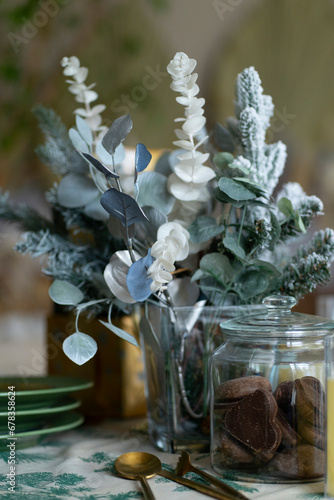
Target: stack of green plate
[32,407]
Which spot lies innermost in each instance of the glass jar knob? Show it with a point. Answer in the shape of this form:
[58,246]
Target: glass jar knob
[279,303]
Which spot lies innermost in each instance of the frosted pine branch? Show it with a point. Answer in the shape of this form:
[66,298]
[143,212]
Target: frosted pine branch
[302,277]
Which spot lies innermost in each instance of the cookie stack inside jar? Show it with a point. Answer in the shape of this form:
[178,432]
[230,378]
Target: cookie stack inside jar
[268,396]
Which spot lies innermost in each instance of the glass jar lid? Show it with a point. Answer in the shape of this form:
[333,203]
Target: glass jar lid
[278,320]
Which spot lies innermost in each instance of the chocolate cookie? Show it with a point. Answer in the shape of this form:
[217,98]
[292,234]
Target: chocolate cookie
[311,434]
[301,462]
[289,435]
[233,453]
[310,401]
[237,388]
[252,422]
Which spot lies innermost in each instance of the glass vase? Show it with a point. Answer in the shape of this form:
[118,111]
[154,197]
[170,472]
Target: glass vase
[176,344]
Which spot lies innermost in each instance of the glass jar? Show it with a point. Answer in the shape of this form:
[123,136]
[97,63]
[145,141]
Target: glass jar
[268,397]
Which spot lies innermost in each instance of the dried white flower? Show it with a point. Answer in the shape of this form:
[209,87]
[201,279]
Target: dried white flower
[83,93]
[172,245]
[188,181]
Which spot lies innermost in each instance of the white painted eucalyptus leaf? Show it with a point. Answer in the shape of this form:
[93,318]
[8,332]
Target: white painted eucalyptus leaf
[79,347]
[84,129]
[76,191]
[106,157]
[115,275]
[78,142]
[64,293]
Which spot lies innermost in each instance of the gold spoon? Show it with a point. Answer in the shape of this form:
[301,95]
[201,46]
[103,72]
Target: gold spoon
[140,465]
[184,465]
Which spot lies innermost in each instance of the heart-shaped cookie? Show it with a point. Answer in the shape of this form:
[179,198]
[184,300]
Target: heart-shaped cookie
[252,421]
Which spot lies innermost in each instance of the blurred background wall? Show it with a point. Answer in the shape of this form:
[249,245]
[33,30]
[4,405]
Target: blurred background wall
[290,43]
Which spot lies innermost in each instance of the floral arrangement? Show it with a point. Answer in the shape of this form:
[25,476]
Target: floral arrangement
[206,220]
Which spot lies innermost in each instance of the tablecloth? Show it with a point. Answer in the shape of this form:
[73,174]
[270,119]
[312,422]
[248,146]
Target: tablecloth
[79,464]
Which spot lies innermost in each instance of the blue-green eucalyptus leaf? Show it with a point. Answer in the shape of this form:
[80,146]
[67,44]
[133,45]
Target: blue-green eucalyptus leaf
[218,266]
[64,293]
[122,206]
[78,142]
[137,280]
[84,130]
[117,133]
[120,333]
[153,192]
[235,190]
[204,228]
[79,347]
[101,168]
[76,191]
[142,158]
[233,246]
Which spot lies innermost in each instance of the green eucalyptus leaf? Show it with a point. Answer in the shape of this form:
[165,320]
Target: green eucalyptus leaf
[223,160]
[233,246]
[153,192]
[267,267]
[76,191]
[79,347]
[218,266]
[252,186]
[223,198]
[299,223]
[64,293]
[78,142]
[285,206]
[84,130]
[235,190]
[204,228]
[251,283]
[120,333]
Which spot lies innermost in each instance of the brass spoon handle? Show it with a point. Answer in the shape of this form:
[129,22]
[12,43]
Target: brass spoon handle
[233,493]
[148,495]
[207,490]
